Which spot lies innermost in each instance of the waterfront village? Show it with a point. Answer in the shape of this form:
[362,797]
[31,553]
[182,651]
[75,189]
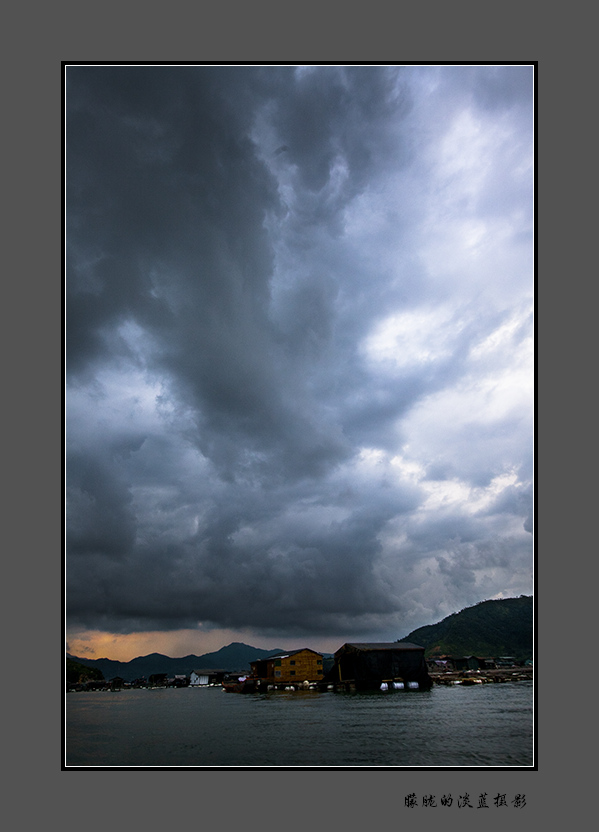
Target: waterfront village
[355,666]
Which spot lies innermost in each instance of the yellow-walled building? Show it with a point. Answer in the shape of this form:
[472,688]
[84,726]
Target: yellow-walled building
[294,666]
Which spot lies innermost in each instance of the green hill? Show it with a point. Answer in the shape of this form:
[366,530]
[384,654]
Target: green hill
[490,628]
[77,673]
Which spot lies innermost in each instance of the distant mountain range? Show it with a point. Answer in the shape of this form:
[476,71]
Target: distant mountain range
[236,657]
[491,628]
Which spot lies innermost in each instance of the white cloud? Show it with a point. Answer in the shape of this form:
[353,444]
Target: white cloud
[411,338]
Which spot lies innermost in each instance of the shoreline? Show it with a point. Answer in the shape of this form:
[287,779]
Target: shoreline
[481,677]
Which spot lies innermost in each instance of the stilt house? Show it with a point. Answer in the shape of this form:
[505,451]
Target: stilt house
[294,666]
[367,665]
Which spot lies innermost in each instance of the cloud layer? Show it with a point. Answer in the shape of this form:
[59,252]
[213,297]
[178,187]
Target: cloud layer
[299,346]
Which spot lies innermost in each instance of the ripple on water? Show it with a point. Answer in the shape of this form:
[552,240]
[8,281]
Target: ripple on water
[490,725]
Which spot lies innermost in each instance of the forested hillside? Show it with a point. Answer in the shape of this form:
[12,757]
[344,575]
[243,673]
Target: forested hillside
[490,628]
[79,673]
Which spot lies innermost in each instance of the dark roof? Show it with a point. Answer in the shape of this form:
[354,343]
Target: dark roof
[382,645]
[285,653]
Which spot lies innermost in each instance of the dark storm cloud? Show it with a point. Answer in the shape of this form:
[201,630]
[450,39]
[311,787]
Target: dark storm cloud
[340,116]
[262,309]
[100,519]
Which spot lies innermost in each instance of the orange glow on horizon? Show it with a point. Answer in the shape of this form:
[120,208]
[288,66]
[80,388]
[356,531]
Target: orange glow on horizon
[95,644]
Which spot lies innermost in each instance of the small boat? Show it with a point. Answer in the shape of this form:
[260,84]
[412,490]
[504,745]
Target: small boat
[242,684]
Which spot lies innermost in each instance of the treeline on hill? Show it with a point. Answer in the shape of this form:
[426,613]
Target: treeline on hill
[77,673]
[490,628]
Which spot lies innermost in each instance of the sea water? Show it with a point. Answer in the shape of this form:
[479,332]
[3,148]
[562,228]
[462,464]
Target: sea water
[488,725]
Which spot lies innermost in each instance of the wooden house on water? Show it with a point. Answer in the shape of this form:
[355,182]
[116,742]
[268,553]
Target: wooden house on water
[292,667]
[365,666]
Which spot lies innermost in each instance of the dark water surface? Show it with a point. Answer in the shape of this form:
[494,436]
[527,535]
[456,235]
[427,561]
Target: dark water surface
[482,725]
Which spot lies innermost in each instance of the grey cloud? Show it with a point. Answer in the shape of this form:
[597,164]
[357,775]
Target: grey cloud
[502,87]
[217,307]
[99,507]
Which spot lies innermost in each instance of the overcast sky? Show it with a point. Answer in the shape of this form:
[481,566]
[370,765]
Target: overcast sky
[299,352]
